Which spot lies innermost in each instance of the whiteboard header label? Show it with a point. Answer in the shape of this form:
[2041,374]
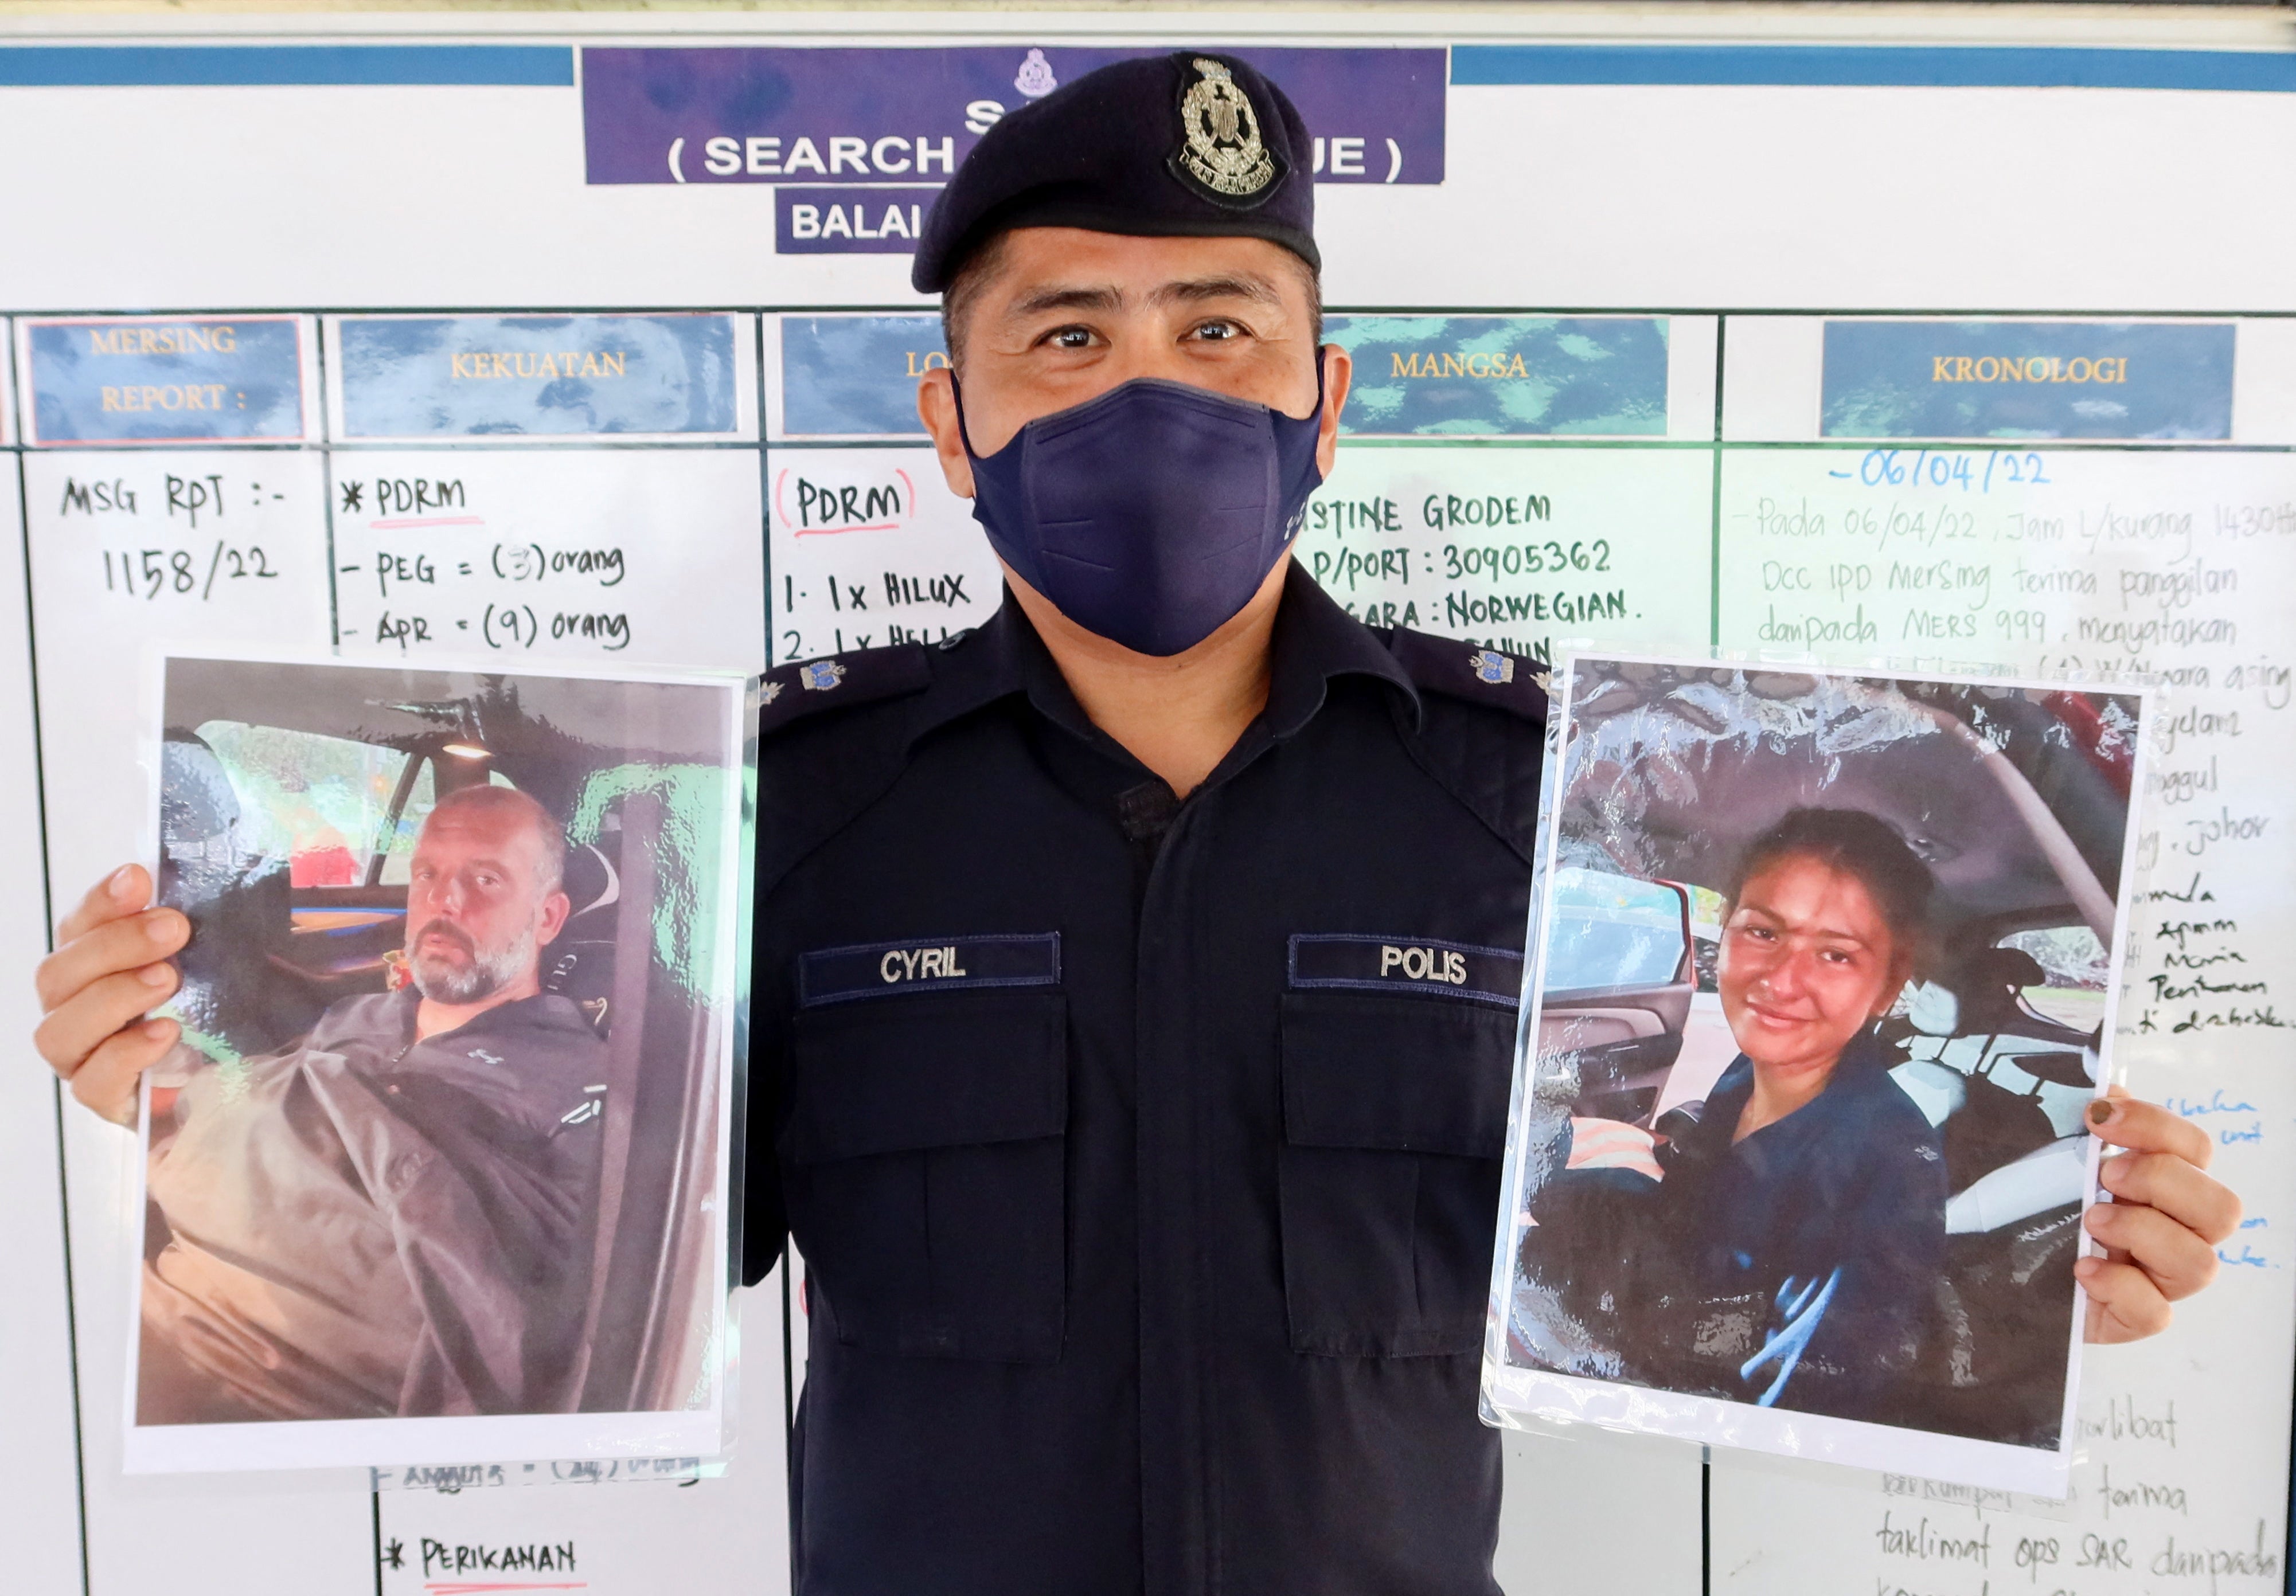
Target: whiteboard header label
[1505,376]
[137,379]
[405,378]
[2113,381]
[855,376]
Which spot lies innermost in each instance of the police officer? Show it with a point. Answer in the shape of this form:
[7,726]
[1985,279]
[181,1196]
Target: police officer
[1135,975]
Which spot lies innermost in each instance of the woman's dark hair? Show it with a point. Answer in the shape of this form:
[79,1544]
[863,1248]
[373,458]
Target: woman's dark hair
[1857,844]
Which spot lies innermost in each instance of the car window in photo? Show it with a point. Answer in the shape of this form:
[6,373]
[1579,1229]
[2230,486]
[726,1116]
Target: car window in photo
[406,824]
[2077,969]
[1623,932]
[318,802]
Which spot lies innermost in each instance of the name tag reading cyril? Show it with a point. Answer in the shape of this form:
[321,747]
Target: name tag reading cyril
[1488,975]
[836,975]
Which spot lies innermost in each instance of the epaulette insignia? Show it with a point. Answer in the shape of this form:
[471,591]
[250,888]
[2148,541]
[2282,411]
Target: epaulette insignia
[843,682]
[1514,683]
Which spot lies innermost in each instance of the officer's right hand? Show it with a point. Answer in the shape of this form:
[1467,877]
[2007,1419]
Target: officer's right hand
[109,970]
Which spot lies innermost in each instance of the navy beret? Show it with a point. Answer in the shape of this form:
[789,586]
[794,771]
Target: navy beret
[1190,145]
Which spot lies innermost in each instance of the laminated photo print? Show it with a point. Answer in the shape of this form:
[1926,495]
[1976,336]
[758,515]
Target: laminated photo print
[1823,977]
[439,1171]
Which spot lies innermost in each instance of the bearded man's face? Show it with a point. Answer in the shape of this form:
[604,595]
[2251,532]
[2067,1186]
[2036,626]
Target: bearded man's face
[478,907]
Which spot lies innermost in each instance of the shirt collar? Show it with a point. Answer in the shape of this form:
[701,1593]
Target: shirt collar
[1863,1065]
[1001,658]
[1314,640]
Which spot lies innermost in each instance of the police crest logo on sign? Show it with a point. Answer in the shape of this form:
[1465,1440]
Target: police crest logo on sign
[1223,151]
[1035,77]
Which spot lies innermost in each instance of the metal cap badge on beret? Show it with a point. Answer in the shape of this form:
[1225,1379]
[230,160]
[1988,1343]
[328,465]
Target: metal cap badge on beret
[1189,145]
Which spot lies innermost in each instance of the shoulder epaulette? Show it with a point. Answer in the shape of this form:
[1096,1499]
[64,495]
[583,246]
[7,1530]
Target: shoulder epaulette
[791,692]
[1512,683]
[1489,762]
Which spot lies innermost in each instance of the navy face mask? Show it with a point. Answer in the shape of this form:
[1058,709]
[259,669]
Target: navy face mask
[1150,514]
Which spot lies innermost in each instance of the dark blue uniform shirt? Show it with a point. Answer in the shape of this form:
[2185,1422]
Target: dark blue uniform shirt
[1144,1154]
[1833,1218]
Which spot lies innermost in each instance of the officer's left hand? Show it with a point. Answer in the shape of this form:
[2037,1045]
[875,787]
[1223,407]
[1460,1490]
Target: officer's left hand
[2161,1228]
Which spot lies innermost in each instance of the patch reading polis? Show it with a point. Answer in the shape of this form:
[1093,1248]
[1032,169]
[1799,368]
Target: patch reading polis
[1222,154]
[1487,974]
[836,975]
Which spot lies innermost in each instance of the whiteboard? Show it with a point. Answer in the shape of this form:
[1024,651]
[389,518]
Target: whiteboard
[1701,229]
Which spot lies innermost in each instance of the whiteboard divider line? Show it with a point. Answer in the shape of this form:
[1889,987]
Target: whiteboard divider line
[789,1418]
[56,1086]
[2056,446]
[922,306]
[1871,66]
[1705,1521]
[203,65]
[1714,569]
[766,537]
[325,446]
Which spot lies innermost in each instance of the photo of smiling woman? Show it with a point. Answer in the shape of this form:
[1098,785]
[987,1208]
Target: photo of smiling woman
[1823,1000]
[1788,1247]
[1811,1179]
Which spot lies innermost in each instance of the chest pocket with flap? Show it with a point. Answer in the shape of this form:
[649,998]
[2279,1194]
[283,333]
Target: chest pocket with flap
[926,1150]
[1394,1121]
